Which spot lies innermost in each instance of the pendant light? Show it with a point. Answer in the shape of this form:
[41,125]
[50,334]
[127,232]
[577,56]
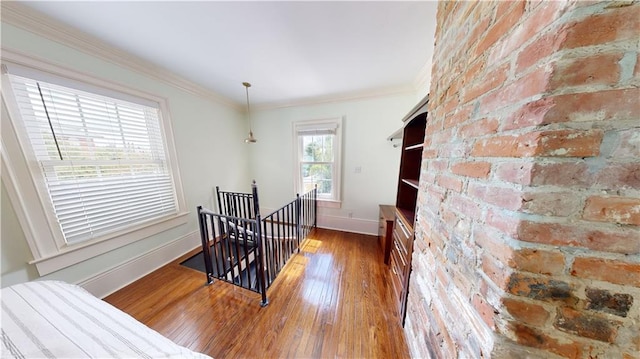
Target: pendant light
[249,139]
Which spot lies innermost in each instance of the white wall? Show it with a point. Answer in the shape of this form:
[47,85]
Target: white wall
[367,124]
[205,133]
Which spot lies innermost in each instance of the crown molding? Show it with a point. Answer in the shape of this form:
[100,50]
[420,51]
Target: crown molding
[342,97]
[35,22]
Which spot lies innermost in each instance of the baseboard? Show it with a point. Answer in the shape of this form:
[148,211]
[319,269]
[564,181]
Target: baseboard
[354,225]
[125,273]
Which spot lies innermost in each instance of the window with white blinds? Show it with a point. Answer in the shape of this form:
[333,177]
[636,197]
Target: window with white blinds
[103,159]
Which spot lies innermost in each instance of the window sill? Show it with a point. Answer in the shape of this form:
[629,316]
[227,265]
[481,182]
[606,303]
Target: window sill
[74,254]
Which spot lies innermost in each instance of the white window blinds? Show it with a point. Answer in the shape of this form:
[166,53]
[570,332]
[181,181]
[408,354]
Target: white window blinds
[102,159]
[317,129]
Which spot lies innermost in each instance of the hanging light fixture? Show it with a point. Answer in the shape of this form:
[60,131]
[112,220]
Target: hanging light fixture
[249,139]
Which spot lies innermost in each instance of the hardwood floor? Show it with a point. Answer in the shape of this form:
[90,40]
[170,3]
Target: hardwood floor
[331,300]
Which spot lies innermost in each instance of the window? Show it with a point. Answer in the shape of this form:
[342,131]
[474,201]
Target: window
[99,158]
[318,158]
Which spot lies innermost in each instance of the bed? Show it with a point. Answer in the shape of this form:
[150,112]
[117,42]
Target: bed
[53,319]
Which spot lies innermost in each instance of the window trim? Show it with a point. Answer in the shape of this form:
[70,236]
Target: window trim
[335,202]
[49,250]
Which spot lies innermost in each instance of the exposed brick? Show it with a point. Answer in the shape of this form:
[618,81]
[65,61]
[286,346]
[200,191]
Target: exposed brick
[607,270]
[497,30]
[486,311]
[530,114]
[464,205]
[628,144]
[441,137]
[480,127]
[616,176]
[489,82]
[530,127]
[455,149]
[569,143]
[613,209]
[507,198]
[523,145]
[474,70]
[538,19]
[444,340]
[538,261]
[585,325]
[540,288]
[429,153]
[603,28]
[437,165]
[564,174]
[459,116]
[619,3]
[601,69]
[526,312]
[489,240]
[492,269]
[442,276]
[615,240]
[500,220]
[479,29]
[595,106]
[451,104]
[536,338]
[539,49]
[561,143]
[502,8]
[431,127]
[472,169]
[561,204]
[514,172]
[605,301]
[533,83]
[450,183]
[449,217]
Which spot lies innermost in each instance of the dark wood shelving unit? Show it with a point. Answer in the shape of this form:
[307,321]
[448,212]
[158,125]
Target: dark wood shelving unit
[410,163]
[405,212]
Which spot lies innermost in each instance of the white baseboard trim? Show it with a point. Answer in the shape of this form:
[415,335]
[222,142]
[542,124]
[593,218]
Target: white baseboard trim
[125,273]
[354,225]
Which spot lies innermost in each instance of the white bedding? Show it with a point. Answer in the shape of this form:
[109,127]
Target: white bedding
[52,319]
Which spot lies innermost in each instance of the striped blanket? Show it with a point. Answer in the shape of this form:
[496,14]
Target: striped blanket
[52,319]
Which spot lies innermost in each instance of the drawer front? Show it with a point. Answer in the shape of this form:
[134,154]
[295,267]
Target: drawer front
[396,277]
[402,235]
[401,257]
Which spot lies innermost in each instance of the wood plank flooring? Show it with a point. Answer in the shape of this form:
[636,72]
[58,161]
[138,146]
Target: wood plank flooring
[331,300]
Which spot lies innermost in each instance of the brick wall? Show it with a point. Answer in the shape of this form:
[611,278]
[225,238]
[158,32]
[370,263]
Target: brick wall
[528,230]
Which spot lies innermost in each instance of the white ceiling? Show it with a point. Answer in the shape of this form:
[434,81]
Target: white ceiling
[291,52]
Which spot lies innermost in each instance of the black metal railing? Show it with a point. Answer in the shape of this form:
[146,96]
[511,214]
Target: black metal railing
[282,238]
[250,251]
[238,204]
[232,250]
